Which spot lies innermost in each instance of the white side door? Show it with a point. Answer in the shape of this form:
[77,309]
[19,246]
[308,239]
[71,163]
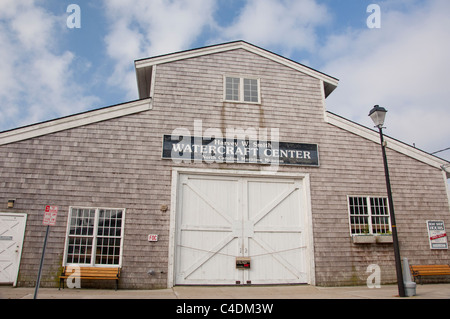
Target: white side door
[12,231]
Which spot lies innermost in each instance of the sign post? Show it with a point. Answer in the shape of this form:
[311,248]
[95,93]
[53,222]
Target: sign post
[49,220]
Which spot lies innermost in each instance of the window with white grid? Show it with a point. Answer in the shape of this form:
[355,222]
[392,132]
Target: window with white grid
[232,86]
[244,90]
[251,90]
[94,236]
[368,215]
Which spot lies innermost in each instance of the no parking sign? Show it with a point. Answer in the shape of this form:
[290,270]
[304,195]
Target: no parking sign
[50,215]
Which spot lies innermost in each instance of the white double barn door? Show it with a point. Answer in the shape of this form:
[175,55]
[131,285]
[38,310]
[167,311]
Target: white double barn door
[220,218]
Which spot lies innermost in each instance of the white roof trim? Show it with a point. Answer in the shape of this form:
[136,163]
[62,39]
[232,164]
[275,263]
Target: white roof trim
[233,46]
[391,143]
[73,121]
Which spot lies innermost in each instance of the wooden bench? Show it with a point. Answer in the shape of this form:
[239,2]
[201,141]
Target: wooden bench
[429,270]
[100,273]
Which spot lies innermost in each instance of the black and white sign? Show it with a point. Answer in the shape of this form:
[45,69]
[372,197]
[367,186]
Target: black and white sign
[437,234]
[215,150]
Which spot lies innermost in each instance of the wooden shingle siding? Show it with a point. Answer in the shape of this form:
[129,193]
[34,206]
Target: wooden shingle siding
[117,163]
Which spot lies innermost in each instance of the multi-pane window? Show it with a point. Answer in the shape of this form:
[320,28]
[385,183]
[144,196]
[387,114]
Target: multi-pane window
[368,215]
[232,89]
[251,90]
[94,236]
[241,90]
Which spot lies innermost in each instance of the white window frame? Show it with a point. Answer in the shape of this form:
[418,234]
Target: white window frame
[447,184]
[241,98]
[94,237]
[370,215]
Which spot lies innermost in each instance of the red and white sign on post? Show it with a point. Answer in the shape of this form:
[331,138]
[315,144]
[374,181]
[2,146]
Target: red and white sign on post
[49,220]
[50,215]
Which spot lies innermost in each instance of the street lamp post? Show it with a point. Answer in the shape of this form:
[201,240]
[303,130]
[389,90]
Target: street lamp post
[378,115]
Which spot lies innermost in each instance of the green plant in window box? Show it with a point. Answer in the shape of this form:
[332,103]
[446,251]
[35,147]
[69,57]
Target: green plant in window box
[364,237]
[384,238]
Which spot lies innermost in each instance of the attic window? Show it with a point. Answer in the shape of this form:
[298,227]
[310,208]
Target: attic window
[232,89]
[243,90]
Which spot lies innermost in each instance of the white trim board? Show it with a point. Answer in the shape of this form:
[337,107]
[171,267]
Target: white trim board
[73,121]
[391,143]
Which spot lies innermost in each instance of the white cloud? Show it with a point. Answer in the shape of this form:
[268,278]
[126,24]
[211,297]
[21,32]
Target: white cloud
[403,66]
[287,24]
[35,78]
[148,28]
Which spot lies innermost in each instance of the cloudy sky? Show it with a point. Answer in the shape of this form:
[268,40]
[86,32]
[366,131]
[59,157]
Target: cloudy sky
[49,70]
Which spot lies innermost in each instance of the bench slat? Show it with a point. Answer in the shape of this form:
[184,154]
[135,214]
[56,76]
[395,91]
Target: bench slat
[434,267]
[94,278]
[432,273]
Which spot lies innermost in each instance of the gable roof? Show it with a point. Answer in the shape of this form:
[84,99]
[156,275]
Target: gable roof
[145,104]
[143,66]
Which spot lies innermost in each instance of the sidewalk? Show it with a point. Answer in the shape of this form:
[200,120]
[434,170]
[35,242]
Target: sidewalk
[431,291]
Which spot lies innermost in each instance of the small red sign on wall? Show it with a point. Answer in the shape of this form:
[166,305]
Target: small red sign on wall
[50,215]
[152,237]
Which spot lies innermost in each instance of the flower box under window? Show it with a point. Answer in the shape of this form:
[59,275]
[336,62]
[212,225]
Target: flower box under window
[364,239]
[384,239]
[372,239]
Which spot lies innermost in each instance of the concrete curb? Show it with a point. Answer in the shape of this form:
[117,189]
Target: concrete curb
[431,291]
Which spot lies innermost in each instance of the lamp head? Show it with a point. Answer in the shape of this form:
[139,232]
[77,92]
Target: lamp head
[378,114]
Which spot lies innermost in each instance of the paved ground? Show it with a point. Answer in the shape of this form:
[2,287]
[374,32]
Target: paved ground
[428,291]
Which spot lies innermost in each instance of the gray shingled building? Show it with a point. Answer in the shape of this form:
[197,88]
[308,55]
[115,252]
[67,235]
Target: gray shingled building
[227,170]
